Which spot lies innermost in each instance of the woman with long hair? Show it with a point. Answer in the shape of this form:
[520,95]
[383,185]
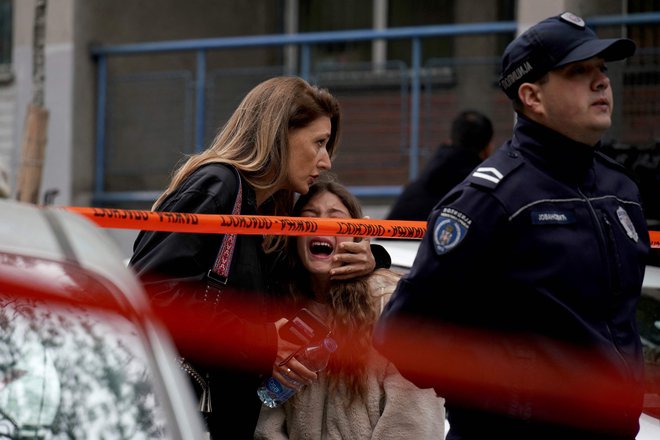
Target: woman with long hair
[276,143]
[360,395]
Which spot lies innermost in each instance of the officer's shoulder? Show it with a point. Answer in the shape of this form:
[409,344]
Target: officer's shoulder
[610,162]
[496,169]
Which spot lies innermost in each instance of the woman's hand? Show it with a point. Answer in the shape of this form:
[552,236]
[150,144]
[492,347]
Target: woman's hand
[286,369]
[353,259]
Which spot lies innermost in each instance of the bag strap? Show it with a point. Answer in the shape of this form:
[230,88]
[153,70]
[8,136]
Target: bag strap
[219,273]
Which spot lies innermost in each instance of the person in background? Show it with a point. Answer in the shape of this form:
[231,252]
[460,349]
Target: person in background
[360,395]
[530,271]
[277,142]
[471,142]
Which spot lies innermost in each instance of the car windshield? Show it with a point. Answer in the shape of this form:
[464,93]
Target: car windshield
[68,372]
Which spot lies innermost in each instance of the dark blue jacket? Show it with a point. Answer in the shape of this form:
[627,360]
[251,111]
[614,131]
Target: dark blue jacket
[448,167]
[521,301]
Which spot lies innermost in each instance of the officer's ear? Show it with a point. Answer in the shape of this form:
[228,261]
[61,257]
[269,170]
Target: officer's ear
[531,97]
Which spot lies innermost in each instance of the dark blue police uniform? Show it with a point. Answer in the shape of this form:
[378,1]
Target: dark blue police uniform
[542,250]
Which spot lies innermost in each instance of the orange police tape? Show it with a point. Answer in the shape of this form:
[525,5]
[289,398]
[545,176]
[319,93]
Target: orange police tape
[249,224]
[255,224]
[655,239]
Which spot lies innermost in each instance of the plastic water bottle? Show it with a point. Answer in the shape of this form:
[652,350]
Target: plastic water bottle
[315,357]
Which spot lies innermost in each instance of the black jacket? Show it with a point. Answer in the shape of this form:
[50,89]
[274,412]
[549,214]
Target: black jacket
[447,168]
[173,267]
[528,280]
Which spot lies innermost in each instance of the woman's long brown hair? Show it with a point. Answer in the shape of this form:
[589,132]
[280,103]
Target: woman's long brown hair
[255,138]
[353,307]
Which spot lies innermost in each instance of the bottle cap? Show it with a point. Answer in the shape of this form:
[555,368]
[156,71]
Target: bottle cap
[330,344]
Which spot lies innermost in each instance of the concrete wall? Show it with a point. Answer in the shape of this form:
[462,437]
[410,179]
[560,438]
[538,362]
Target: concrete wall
[532,11]
[7,118]
[72,26]
[57,171]
[473,83]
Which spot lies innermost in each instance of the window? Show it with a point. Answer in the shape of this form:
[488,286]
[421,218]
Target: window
[5,38]
[336,15]
[321,15]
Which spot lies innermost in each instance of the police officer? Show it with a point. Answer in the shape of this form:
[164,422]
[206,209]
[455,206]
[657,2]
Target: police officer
[520,306]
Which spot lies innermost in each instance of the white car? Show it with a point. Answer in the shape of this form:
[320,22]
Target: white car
[403,252]
[79,356]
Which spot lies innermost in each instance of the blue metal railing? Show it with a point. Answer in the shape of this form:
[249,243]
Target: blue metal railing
[305,41]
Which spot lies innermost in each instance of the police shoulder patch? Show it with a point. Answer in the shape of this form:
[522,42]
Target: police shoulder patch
[495,169]
[450,228]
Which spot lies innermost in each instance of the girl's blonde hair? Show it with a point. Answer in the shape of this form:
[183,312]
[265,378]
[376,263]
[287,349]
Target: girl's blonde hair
[255,138]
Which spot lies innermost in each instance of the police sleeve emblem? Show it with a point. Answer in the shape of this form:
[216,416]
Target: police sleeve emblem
[449,230]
